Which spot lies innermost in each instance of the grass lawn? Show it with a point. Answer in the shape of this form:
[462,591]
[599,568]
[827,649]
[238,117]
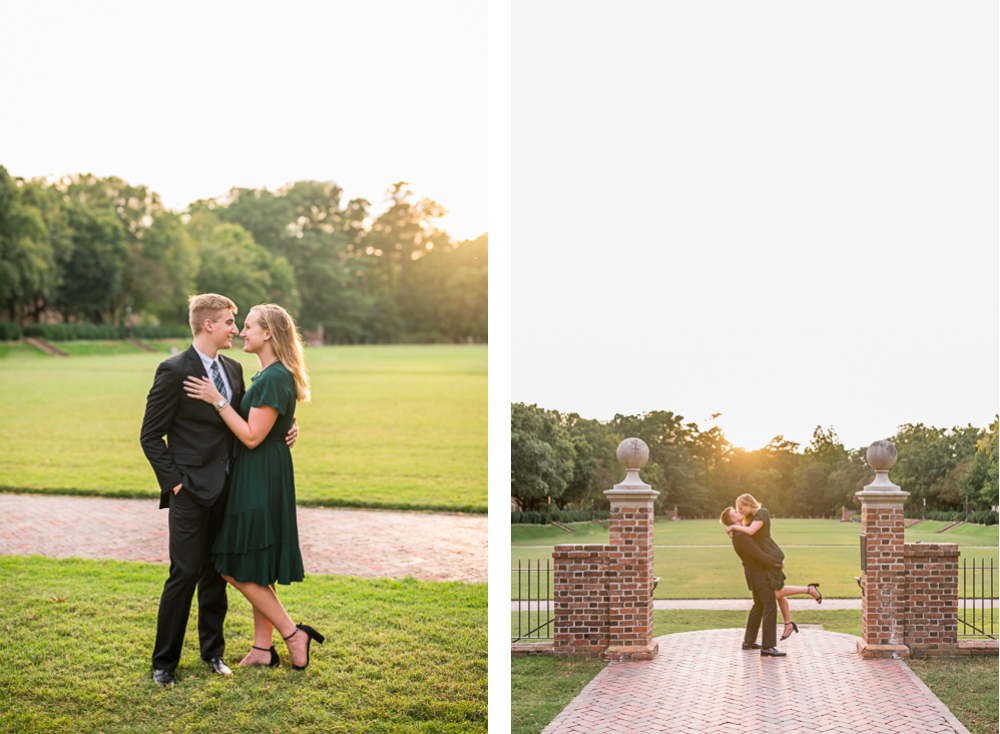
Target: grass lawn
[667,622]
[400,426]
[400,656]
[715,572]
[966,686]
[786,532]
[542,687]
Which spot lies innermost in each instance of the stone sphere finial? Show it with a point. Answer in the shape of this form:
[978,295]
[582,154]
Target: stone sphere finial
[633,453]
[881,455]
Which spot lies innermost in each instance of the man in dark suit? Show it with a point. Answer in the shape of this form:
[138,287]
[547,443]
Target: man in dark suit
[765,608]
[192,469]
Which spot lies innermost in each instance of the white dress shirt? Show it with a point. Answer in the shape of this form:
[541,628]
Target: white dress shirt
[222,371]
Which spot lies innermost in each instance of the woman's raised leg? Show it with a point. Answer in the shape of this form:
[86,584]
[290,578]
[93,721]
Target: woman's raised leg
[796,590]
[265,601]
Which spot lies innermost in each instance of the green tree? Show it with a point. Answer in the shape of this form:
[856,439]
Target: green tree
[136,208]
[825,454]
[764,484]
[162,268]
[981,484]
[27,259]
[931,462]
[448,291]
[670,450]
[542,456]
[811,487]
[603,467]
[236,266]
[94,271]
[305,224]
[850,475]
[399,236]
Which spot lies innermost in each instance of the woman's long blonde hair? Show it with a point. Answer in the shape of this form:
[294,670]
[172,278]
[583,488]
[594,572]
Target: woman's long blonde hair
[748,501]
[287,344]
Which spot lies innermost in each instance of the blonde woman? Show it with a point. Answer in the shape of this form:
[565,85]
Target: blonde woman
[258,544]
[756,522]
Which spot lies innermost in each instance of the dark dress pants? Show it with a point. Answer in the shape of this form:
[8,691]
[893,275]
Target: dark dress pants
[193,529]
[764,611]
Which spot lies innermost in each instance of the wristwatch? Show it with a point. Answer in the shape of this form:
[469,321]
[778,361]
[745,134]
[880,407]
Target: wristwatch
[221,405]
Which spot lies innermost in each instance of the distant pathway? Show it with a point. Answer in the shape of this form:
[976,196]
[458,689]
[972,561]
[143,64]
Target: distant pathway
[703,683]
[724,605]
[430,547]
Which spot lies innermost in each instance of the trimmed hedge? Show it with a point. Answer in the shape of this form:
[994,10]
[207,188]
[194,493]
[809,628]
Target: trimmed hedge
[544,518]
[72,332]
[9,331]
[982,517]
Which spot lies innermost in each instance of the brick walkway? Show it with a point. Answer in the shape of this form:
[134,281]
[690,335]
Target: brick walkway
[702,683]
[345,542]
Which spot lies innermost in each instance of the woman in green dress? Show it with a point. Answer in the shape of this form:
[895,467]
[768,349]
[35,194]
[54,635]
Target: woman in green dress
[757,523]
[258,544]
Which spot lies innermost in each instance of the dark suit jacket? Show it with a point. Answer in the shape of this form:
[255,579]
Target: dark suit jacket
[199,444]
[755,561]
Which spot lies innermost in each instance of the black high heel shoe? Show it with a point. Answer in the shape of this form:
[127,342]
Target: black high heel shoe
[819,599]
[275,660]
[312,635]
[795,628]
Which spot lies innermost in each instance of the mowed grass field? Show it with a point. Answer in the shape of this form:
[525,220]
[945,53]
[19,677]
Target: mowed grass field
[400,656]
[698,561]
[392,426]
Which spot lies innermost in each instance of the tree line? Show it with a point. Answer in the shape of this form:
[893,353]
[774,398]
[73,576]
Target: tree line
[89,249]
[565,461]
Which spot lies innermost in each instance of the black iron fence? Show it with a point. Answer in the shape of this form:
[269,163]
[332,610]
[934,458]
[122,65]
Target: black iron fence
[977,615]
[533,603]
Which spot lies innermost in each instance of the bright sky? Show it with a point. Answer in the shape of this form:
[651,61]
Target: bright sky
[193,98]
[783,212]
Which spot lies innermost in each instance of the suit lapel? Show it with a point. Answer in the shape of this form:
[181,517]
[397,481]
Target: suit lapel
[196,365]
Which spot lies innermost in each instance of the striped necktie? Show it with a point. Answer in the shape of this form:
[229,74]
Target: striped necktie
[217,379]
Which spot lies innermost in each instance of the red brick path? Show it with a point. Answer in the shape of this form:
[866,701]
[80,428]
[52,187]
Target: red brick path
[346,542]
[702,683]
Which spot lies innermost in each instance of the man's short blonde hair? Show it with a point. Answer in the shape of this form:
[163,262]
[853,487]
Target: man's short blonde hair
[207,306]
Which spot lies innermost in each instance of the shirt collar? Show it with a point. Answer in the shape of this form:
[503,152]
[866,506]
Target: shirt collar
[206,361]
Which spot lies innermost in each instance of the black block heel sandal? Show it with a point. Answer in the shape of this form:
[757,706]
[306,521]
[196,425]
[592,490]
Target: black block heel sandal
[819,599]
[313,635]
[275,660]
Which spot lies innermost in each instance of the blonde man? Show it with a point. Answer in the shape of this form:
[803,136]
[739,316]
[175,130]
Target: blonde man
[192,469]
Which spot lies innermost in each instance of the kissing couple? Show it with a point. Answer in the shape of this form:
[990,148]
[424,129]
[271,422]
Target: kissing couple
[749,528]
[225,474]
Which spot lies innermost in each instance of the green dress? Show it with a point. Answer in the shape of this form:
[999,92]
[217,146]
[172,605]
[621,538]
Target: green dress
[766,543]
[259,538]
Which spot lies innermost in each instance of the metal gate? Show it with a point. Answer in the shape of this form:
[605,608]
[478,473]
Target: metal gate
[532,601]
[978,589]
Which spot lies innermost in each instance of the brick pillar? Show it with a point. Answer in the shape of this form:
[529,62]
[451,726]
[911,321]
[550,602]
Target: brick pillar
[630,567]
[932,599]
[580,615]
[883,608]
